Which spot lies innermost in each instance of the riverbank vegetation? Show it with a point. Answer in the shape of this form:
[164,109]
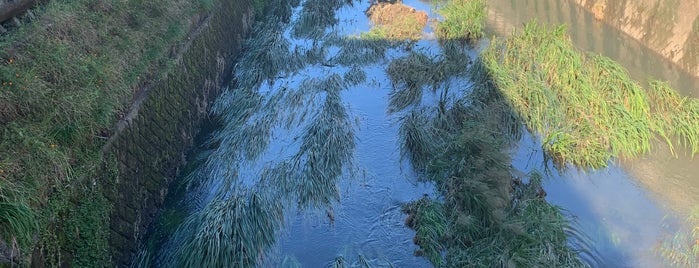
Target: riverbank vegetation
[65,78]
[464,20]
[485,216]
[586,108]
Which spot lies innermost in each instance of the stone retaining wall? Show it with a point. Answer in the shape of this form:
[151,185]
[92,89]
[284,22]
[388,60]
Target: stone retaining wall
[149,145]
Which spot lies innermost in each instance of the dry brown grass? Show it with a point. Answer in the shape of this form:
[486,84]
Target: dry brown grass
[396,21]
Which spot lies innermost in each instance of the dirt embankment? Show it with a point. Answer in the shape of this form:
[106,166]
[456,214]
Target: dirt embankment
[670,28]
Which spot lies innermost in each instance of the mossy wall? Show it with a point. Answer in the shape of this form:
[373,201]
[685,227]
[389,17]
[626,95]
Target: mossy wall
[143,155]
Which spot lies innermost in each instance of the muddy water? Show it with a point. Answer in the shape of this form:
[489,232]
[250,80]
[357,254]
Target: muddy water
[622,208]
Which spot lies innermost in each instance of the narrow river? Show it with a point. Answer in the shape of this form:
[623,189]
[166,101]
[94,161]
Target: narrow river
[621,210]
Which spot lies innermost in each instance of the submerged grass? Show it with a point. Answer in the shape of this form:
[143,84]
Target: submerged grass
[358,50]
[327,148]
[240,224]
[586,108]
[316,17]
[485,217]
[268,56]
[235,231]
[410,74]
[682,249]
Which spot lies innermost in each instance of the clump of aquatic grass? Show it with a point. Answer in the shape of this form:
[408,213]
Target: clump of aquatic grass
[455,60]
[300,102]
[426,217]
[291,262]
[268,55]
[475,169]
[338,262]
[682,249]
[355,76]
[409,74]
[487,217]
[316,54]
[464,20]
[327,148]
[418,140]
[586,108]
[281,9]
[395,21]
[316,16]
[236,106]
[358,50]
[234,231]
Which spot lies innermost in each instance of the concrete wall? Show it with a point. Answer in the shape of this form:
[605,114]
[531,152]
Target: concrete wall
[149,145]
[668,27]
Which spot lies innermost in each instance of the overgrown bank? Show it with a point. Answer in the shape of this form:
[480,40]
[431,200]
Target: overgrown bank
[586,108]
[67,78]
[485,216]
[588,112]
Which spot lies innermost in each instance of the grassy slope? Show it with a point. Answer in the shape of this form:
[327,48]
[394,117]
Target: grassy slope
[65,79]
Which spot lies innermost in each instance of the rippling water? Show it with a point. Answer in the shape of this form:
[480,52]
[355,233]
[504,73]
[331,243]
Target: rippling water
[616,219]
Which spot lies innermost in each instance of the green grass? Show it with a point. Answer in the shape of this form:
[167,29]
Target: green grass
[585,107]
[65,78]
[464,20]
[18,223]
[682,249]
[427,218]
[358,50]
[327,148]
[240,224]
[316,16]
[410,74]
[485,217]
[235,231]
